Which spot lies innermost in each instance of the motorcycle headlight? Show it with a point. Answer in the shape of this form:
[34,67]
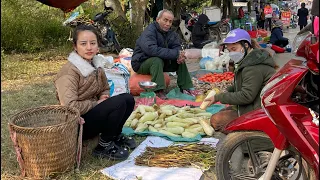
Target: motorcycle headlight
[298,40]
[272,83]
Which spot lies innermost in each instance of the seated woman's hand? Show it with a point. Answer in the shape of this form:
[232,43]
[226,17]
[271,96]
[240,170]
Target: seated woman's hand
[211,100]
[102,98]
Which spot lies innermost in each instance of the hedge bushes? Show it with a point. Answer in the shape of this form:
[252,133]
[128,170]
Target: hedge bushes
[29,26]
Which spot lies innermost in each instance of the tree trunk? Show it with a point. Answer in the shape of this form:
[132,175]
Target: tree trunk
[167,4]
[231,11]
[138,16]
[216,3]
[116,4]
[177,8]
[174,6]
[122,2]
[224,8]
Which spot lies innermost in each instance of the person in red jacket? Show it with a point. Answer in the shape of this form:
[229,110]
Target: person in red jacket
[240,13]
[268,15]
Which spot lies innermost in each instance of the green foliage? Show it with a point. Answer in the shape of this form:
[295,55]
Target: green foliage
[195,5]
[125,33]
[29,26]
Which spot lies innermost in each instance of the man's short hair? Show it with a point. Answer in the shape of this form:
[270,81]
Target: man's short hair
[160,13]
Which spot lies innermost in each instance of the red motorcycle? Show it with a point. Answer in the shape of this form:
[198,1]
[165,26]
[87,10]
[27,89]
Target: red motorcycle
[281,140]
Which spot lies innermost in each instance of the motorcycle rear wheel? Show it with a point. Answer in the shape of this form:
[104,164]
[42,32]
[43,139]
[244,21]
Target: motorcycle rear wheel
[215,34]
[294,26]
[224,29]
[234,159]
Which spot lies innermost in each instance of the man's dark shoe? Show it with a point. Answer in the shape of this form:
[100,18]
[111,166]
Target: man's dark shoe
[161,95]
[112,151]
[124,141]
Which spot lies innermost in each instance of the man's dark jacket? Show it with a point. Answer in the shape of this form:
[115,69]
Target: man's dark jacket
[154,42]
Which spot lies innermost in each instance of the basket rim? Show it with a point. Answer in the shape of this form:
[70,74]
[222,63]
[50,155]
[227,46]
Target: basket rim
[10,123]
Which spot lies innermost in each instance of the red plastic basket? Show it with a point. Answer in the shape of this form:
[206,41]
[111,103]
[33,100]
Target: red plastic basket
[262,33]
[253,34]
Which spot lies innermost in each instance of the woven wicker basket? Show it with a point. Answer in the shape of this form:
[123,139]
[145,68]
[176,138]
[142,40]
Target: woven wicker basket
[45,140]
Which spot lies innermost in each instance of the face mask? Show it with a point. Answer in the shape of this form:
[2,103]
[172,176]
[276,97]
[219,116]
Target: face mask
[236,56]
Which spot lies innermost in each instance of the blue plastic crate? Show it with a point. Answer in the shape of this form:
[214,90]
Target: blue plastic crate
[263,45]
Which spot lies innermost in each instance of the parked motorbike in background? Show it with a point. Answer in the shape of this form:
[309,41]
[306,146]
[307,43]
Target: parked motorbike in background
[180,27]
[109,42]
[281,140]
[219,28]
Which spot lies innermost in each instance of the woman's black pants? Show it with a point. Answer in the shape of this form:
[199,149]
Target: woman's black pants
[282,43]
[108,117]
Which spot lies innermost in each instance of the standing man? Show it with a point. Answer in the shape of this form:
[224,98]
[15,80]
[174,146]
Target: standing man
[303,14]
[276,37]
[158,50]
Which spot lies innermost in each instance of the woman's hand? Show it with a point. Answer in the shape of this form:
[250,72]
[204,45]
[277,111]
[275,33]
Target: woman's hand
[102,98]
[211,100]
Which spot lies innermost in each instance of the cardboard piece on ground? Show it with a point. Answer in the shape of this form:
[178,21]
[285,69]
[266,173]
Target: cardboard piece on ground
[127,170]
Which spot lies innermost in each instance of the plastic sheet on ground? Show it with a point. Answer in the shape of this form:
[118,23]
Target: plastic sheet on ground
[177,94]
[127,170]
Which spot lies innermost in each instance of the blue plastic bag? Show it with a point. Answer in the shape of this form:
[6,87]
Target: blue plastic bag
[203,61]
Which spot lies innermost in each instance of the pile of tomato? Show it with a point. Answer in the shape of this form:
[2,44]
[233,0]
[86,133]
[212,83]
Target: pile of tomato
[217,77]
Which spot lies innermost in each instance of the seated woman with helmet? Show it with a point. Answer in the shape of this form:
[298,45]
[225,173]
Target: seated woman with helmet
[253,68]
[276,37]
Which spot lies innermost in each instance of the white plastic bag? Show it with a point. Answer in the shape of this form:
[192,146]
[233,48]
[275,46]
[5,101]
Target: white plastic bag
[204,60]
[212,45]
[103,61]
[125,57]
[193,53]
[116,73]
[126,52]
[218,62]
[211,52]
[118,79]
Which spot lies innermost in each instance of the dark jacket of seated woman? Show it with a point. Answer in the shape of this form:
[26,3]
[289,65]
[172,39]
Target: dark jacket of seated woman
[277,35]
